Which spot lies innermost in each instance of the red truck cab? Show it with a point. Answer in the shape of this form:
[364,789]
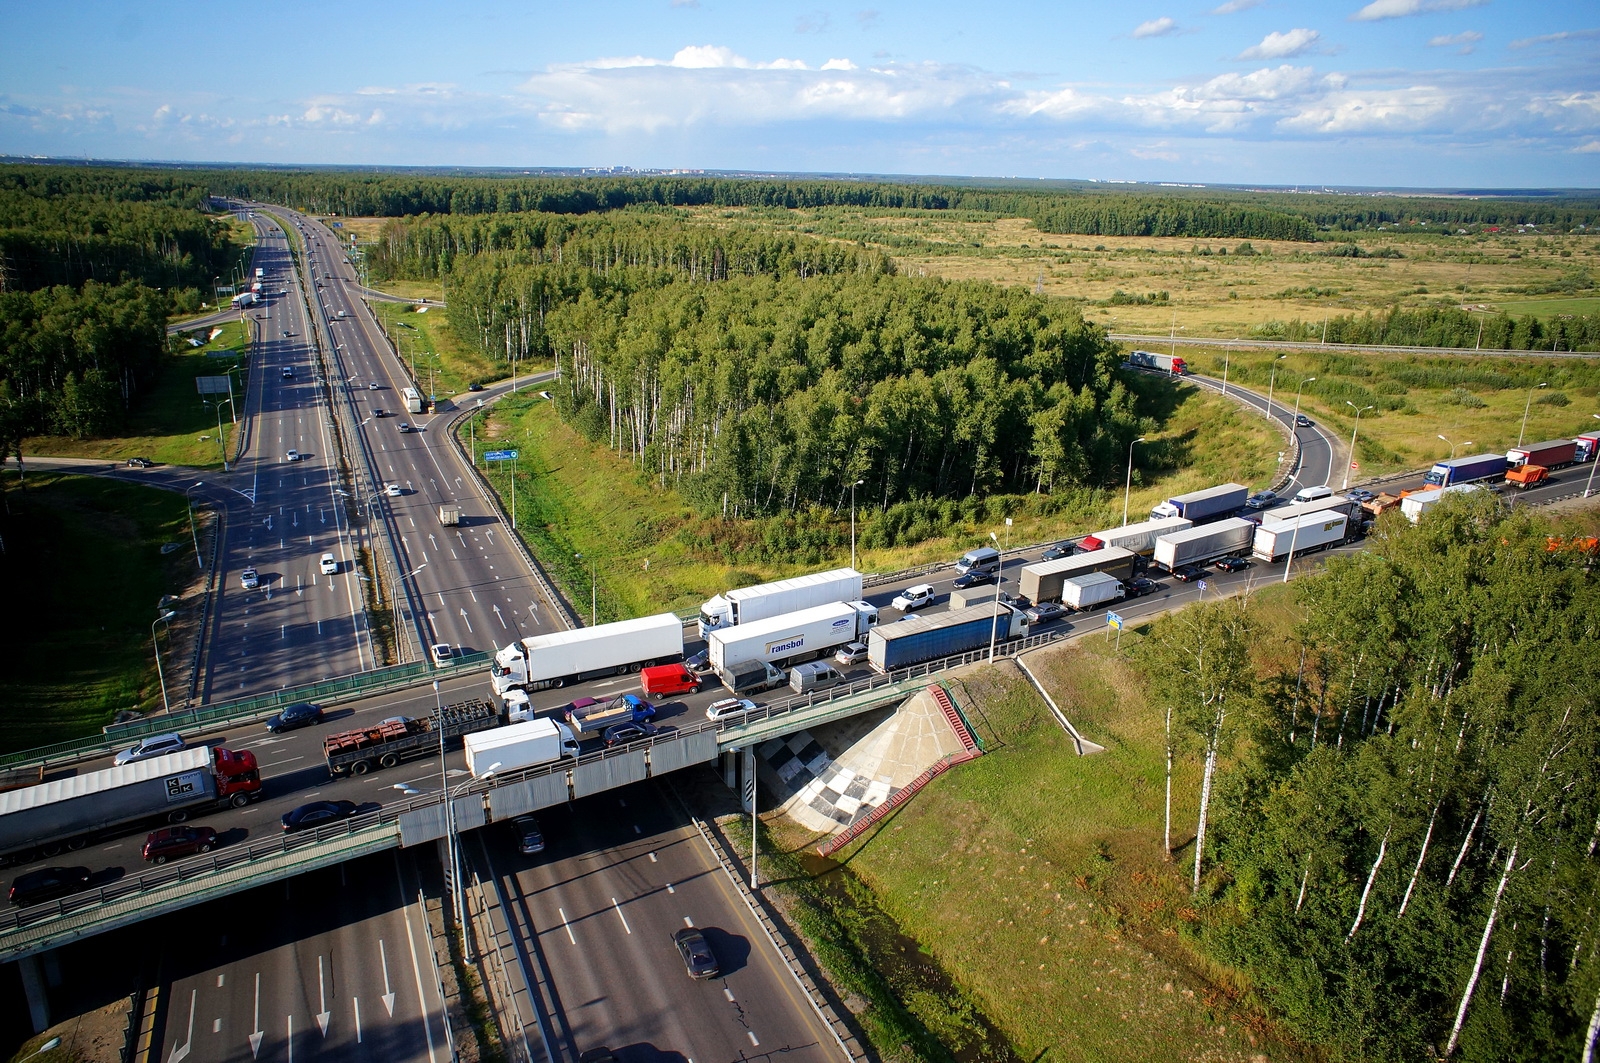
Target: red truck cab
[238,777]
[666,679]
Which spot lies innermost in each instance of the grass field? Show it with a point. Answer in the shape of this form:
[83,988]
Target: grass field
[1037,877]
[651,552]
[84,556]
[425,342]
[171,424]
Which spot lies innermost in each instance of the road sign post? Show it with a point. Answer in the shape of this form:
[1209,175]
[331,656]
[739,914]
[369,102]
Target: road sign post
[511,456]
[1113,620]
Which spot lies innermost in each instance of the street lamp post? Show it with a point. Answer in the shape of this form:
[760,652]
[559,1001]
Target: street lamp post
[193,535]
[1359,411]
[1453,446]
[853,487]
[998,583]
[594,595]
[1127,488]
[1525,408]
[161,676]
[1272,383]
[1594,461]
[1297,392]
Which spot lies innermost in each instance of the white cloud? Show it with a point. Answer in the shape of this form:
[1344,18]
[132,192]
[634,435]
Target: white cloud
[1233,7]
[1589,147]
[1413,109]
[1379,10]
[1465,40]
[838,64]
[1282,45]
[1556,38]
[1156,27]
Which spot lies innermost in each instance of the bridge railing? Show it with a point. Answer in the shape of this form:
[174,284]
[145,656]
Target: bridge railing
[245,710]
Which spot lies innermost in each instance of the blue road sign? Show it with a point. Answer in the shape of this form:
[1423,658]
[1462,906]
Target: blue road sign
[1113,620]
[499,455]
[1202,584]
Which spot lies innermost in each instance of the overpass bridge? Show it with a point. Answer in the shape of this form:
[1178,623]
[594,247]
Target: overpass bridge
[26,932]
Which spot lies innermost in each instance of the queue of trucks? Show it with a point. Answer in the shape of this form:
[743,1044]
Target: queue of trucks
[1207,542]
[1044,581]
[553,660]
[749,604]
[1299,535]
[750,656]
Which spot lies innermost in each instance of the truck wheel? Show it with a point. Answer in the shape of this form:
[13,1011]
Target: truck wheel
[178,816]
[77,843]
[51,849]
[389,760]
[361,767]
[239,800]
[557,684]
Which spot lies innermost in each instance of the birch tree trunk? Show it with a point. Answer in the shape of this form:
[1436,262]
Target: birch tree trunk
[1417,871]
[1205,804]
[1483,948]
[1594,1028]
[1166,827]
[1361,909]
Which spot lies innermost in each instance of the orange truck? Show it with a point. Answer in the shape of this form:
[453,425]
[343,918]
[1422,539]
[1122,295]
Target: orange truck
[1526,476]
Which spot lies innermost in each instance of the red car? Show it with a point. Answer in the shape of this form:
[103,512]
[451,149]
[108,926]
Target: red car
[666,679]
[169,842]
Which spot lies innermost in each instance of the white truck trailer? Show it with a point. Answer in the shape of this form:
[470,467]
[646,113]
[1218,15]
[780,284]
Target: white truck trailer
[1202,544]
[749,604]
[1332,504]
[1140,538]
[799,636]
[1311,531]
[1043,581]
[568,656]
[519,746]
[1091,589]
[1414,506]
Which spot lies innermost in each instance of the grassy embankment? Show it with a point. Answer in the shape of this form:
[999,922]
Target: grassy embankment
[170,424]
[652,552]
[84,556]
[427,346]
[1035,878]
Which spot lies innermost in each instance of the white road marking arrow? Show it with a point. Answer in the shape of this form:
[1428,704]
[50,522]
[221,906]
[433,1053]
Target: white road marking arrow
[467,622]
[180,1051]
[322,1000]
[257,1032]
[294,518]
[269,522]
[500,618]
[388,994]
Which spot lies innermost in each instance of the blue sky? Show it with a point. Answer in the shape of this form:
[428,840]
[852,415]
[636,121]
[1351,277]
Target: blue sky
[1396,93]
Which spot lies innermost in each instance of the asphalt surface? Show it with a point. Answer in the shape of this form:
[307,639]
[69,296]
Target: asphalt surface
[621,873]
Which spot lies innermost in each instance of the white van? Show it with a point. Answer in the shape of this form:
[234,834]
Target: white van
[985,559]
[1312,494]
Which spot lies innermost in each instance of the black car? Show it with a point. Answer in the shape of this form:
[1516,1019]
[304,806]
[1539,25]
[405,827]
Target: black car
[1059,550]
[317,814]
[47,884]
[1233,564]
[627,732]
[474,387]
[699,663]
[1139,586]
[529,838]
[1188,573]
[300,714]
[1302,421]
[139,463]
[974,579]
[696,953]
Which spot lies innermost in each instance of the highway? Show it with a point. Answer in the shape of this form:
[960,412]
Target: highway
[621,873]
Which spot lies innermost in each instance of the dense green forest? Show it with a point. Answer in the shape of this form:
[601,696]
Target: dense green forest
[1405,859]
[767,373]
[1105,210]
[1444,327]
[91,263]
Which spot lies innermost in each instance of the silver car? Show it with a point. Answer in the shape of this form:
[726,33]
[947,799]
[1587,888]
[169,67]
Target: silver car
[154,746]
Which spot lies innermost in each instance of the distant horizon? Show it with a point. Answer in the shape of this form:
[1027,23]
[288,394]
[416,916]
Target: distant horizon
[600,172]
[1404,94]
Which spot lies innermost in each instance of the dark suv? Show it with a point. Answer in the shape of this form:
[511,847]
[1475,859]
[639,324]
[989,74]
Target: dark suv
[47,884]
[170,842]
[300,714]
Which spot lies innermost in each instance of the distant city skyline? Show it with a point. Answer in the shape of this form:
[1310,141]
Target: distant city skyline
[1391,93]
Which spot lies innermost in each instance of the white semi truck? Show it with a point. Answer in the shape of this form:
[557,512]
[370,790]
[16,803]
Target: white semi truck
[1204,543]
[1139,538]
[799,636]
[748,604]
[569,656]
[1310,531]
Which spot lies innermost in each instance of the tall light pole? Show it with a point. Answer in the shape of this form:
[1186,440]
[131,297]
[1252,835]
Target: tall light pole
[1127,488]
[1227,356]
[1359,411]
[594,595]
[1297,392]
[998,583]
[1594,461]
[1272,383]
[1453,446]
[1525,408]
[161,676]
[193,535]
[853,487]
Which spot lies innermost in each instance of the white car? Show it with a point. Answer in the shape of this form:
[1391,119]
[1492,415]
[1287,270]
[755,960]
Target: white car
[330,565]
[393,490]
[154,746]
[249,579]
[914,597]
[442,653]
[728,707]
[851,653]
[293,455]
[373,386]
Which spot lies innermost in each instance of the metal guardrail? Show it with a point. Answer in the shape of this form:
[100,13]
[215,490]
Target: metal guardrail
[246,710]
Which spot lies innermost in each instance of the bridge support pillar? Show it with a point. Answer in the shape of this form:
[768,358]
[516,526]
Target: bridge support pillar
[730,768]
[33,988]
